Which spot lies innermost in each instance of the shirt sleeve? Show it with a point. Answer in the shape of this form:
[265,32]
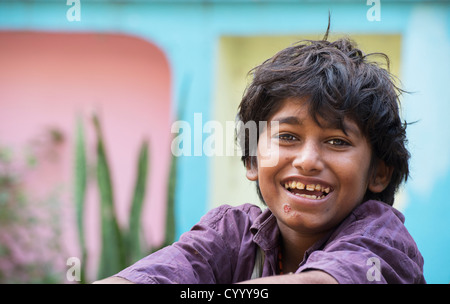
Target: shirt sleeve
[373,253]
[208,253]
[350,261]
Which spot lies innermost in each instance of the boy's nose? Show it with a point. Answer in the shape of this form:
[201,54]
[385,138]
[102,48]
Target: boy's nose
[308,159]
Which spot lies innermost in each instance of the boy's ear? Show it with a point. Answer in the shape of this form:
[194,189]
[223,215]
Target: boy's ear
[252,170]
[381,177]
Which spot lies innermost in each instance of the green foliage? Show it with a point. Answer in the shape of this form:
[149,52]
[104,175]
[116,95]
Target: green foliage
[120,247]
[21,225]
[170,213]
[80,191]
[133,236]
[112,258]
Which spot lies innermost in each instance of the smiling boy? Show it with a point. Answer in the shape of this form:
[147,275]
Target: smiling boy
[322,175]
[341,153]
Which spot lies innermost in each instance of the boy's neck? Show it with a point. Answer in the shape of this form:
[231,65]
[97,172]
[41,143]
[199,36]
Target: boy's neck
[294,246]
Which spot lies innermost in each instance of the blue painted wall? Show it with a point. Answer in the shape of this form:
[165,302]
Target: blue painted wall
[188,31]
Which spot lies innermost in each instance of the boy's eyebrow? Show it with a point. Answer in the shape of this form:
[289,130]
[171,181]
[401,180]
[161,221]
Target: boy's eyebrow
[352,128]
[293,120]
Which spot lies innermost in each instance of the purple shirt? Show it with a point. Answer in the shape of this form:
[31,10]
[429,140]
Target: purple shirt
[370,246]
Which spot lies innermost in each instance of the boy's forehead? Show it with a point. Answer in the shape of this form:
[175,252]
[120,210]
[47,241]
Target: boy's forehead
[295,111]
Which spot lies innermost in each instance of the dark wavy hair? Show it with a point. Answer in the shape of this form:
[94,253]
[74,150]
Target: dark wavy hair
[339,81]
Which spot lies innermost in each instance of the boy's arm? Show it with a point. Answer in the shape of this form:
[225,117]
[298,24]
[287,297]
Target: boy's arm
[307,277]
[208,253]
[113,280]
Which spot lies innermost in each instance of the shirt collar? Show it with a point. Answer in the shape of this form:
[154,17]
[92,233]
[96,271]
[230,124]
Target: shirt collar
[267,234]
[265,230]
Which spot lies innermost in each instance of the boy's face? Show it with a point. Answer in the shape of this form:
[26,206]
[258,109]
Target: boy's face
[322,173]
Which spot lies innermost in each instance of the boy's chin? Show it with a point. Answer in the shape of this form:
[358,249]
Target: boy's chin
[303,222]
[312,221]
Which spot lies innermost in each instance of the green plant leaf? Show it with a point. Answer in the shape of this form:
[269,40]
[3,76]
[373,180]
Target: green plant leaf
[134,247]
[80,191]
[112,258]
[170,213]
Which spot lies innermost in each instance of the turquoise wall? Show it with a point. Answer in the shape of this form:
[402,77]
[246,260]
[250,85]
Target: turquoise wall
[188,32]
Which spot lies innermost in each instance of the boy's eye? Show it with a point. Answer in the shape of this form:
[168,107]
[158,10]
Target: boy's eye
[286,137]
[338,142]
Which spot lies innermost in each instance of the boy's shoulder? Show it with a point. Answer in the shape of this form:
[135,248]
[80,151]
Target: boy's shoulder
[222,216]
[379,222]
[374,231]
[245,210]
[375,209]
[375,219]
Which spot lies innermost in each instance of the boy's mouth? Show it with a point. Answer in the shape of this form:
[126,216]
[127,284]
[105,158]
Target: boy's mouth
[311,191]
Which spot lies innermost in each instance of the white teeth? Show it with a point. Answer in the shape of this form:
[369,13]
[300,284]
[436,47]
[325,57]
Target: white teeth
[300,186]
[310,187]
[310,196]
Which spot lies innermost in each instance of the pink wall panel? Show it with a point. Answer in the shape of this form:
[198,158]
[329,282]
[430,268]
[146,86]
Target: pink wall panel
[47,79]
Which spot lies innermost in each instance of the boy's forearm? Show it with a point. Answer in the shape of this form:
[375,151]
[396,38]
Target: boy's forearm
[308,277]
[113,280]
